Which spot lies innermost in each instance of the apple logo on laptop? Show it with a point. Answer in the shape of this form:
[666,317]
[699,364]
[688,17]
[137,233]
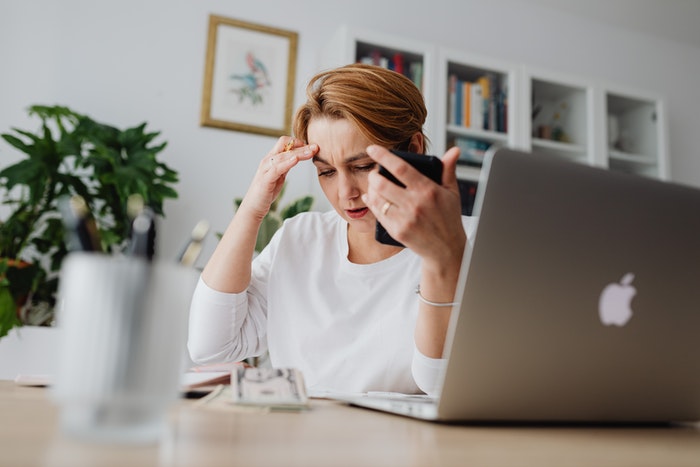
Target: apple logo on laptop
[614,305]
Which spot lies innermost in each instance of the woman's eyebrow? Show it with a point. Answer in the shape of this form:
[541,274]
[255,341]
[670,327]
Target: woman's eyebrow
[319,159]
[357,157]
[349,160]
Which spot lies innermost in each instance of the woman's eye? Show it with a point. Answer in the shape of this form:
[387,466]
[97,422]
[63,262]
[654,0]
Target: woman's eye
[326,172]
[365,167]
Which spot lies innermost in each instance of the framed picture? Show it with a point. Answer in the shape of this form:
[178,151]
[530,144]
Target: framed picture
[249,77]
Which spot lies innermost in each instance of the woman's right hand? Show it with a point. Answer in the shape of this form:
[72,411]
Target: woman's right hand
[272,172]
[229,267]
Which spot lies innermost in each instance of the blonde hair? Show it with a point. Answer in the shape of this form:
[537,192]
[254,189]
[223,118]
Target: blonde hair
[387,108]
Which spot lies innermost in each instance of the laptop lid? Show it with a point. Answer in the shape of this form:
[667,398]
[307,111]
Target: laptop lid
[580,299]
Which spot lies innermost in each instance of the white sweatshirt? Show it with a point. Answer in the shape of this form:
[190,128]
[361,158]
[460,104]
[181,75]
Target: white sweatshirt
[348,327]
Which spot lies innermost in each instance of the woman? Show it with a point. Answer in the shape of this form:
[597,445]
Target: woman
[324,296]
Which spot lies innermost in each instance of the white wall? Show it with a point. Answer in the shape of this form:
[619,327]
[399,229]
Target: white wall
[142,60]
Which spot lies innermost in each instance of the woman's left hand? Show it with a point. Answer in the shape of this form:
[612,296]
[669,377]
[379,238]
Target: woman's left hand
[424,216]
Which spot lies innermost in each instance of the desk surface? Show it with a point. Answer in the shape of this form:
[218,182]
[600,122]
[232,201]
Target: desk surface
[331,434]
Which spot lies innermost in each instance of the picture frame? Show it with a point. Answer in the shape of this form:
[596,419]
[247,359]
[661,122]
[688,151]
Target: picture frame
[249,77]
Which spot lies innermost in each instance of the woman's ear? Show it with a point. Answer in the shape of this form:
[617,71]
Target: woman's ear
[417,143]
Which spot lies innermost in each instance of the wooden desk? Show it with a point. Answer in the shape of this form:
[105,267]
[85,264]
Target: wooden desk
[331,434]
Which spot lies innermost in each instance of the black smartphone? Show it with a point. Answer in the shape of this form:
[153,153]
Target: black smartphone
[430,166]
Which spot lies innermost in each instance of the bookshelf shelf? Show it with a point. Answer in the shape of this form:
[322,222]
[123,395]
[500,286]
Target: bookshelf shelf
[492,136]
[467,172]
[632,158]
[565,149]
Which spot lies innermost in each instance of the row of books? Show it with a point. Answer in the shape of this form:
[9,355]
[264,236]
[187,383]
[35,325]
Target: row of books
[397,62]
[481,104]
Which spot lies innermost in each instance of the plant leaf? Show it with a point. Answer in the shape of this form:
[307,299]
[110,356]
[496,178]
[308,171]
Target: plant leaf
[8,312]
[300,205]
[270,223]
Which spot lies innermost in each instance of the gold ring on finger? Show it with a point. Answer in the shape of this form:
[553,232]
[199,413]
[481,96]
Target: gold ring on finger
[386,207]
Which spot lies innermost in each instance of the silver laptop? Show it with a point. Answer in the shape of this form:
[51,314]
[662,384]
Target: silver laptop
[580,300]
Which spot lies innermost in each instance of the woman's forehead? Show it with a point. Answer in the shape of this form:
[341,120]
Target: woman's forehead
[338,140]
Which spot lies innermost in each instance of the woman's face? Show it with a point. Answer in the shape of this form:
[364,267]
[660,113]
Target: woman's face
[342,166]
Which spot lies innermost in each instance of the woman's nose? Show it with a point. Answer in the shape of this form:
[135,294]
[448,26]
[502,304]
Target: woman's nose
[347,186]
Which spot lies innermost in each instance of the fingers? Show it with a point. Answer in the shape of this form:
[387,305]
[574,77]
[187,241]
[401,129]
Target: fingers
[449,165]
[423,214]
[285,143]
[285,154]
[385,208]
[381,207]
[381,189]
[418,184]
[400,169]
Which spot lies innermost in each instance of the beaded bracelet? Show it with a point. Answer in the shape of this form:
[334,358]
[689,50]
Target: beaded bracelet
[431,303]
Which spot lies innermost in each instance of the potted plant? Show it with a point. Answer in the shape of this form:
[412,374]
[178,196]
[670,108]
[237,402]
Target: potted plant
[70,154]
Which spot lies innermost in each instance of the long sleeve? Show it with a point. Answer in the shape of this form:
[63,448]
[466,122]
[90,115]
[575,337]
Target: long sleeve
[227,327]
[427,372]
[223,328]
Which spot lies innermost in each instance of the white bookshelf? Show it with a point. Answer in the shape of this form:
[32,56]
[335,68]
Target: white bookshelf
[545,111]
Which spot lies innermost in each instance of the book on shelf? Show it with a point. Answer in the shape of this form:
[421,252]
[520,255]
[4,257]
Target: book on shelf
[477,101]
[466,104]
[398,63]
[416,74]
[486,84]
[451,99]
[480,104]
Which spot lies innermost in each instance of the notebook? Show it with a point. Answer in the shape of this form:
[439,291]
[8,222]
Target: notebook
[579,301]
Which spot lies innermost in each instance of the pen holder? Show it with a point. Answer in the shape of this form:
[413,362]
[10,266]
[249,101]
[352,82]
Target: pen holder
[123,326]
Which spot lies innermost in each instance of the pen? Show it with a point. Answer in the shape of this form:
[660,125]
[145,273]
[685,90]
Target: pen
[143,230]
[81,230]
[143,234]
[194,245]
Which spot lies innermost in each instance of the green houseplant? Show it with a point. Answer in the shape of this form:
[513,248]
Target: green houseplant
[276,215]
[69,154]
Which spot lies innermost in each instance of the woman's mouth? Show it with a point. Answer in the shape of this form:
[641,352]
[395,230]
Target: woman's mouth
[357,213]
